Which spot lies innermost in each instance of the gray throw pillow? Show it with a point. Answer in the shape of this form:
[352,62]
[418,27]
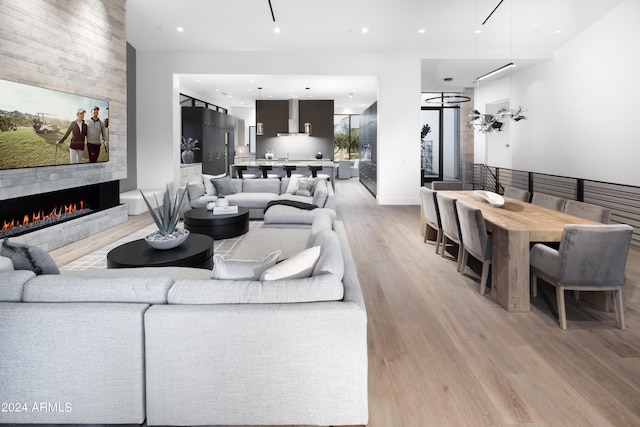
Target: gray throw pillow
[224,187]
[195,189]
[306,186]
[31,258]
[241,269]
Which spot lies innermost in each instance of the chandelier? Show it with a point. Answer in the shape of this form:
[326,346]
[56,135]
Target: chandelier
[485,123]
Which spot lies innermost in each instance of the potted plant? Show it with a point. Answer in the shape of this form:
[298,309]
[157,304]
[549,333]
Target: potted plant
[188,146]
[166,218]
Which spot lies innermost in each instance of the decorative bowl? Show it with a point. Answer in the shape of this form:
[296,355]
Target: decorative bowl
[170,241]
[495,200]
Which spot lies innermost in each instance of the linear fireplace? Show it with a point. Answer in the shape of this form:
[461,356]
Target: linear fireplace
[30,213]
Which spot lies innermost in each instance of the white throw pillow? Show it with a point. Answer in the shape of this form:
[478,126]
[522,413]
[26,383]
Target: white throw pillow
[297,266]
[293,185]
[241,269]
[5,263]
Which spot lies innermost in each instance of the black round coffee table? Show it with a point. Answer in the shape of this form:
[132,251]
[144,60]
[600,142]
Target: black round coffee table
[196,251]
[224,226]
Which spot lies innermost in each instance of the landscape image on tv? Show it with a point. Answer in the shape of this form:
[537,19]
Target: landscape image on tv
[34,119]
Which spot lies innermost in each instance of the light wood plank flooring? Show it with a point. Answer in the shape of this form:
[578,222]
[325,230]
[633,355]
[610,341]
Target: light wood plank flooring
[440,354]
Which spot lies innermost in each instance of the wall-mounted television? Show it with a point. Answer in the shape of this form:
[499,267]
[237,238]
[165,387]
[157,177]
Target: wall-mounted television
[34,120]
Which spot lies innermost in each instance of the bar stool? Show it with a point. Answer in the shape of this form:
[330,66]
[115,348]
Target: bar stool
[314,172]
[265,169]
[288,169]
[240,171]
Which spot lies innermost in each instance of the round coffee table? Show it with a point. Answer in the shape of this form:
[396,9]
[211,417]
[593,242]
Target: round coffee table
[224,226]
[196,251]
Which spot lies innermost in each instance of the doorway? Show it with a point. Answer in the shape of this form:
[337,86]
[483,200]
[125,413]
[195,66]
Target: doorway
[439,142]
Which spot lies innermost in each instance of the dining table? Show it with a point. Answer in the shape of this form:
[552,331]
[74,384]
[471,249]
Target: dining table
[514,227]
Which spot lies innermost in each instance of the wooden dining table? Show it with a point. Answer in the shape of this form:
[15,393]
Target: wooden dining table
[514,227]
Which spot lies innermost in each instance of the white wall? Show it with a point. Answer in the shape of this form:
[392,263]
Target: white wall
[398,108]
[582,105]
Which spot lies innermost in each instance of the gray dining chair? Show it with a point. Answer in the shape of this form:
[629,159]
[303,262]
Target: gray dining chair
[450,225]
[517,193]
[548,201]
[446,185]
[476,240]
[590,258]
[431,214]
[588,211]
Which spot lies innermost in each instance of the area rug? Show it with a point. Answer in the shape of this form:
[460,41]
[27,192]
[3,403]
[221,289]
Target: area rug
[98,258]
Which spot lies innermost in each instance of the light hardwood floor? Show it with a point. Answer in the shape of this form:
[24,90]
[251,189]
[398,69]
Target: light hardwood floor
[442,355]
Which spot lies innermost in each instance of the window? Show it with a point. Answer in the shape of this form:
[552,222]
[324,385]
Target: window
[346,136]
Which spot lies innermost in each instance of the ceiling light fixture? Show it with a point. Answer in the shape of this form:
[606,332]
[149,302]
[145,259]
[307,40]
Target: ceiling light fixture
[259,125]
[496,71]
[307,125]
[179,29]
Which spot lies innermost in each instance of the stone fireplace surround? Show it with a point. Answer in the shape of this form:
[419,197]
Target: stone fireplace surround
[102,199]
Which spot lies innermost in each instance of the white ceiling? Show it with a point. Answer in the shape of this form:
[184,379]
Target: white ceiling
[521,31]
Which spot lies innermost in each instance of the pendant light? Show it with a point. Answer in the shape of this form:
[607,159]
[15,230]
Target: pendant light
[307,125]
[259,125]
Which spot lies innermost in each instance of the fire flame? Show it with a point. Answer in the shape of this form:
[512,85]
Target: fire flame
[40,215]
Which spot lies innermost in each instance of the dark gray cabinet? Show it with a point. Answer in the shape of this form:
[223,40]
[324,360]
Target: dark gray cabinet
[368,168]
[215,132]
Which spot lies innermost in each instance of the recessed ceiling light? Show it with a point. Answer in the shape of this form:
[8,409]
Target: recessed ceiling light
[365,30]
[276,30]
[478,31]
[557,31]
[179,29]
[422,31]
[197,80]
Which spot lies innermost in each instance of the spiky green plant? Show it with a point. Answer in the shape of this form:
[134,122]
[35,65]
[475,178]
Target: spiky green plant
[167,215]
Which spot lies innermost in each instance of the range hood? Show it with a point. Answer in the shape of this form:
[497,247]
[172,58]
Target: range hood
[294,120]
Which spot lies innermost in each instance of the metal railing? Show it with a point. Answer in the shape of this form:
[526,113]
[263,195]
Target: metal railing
[623,200]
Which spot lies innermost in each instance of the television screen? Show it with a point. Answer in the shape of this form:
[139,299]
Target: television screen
[44,127]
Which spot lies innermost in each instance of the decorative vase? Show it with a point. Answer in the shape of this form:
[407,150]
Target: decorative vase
[268,156]
[318,155]
[187,156]
[169,241]
[222,201]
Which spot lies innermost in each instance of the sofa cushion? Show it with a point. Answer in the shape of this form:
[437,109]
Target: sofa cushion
[320,196]
[224,187]
[148,290]
[325,287]
[196,189]
[280,214]
[251,200]
[12,283]
[269,185]
[242,269]
[331,260]
[201,202]
[297,266]
[6,264]
[25,257]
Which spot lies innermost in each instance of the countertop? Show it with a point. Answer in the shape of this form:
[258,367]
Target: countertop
[281,162]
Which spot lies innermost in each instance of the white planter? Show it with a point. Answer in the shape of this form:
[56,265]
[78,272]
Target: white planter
[170,241]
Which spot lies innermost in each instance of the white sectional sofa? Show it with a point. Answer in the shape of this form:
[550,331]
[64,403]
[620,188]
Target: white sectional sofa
[255,194]
[173,346]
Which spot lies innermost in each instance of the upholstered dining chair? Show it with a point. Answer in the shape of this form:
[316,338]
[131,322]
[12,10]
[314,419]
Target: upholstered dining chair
[590,258]
[450,225]
[517,193]
[476,240]
[588,211]
[548,201]
[446,185]
[431,214]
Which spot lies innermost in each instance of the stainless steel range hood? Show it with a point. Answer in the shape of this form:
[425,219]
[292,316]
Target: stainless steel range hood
[294,119]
